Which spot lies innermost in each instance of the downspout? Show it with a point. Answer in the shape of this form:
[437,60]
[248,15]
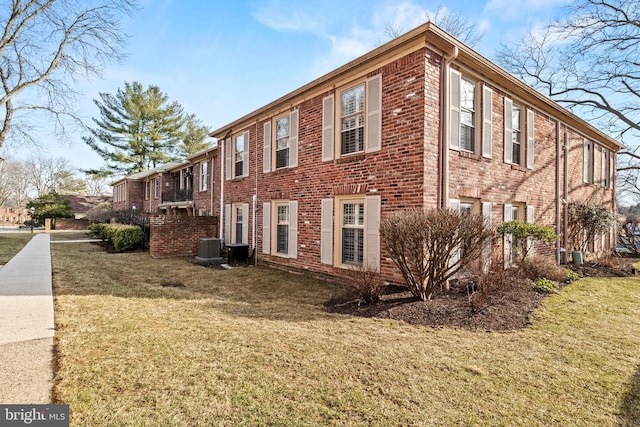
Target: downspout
[212,183]
[558,197]
[566,191]
[222,165]
[444,125]
[255,206]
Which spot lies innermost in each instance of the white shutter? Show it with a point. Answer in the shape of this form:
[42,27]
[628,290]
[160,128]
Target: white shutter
[486,247]
[507,237]
[227,159]
[326,232]
[612,170]
[293,229]
[454,204]
[530,213]
[227,224]
[374,114]
[508,130]
[196,178]
[245,155]
[530,138]
[266,142]
[293,139]
[327,128]
[454,109]
[586,159]
[245,223]
[487,123]
[372,206]
[266,228]
[605,164]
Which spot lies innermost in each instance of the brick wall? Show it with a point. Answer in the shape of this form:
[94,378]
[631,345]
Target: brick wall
[178,235]
[72,224]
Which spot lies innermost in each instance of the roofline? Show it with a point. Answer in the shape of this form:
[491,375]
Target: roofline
[429,34]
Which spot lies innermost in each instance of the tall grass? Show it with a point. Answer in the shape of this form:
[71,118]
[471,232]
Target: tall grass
[144,341]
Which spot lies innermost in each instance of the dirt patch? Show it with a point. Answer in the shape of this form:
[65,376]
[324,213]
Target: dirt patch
[451,308]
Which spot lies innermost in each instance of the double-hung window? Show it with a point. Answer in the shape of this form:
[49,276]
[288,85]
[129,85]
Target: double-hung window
[467,114]
[204,176]
[282,229]
[282,142]
[239,222]
[156,192]
[239,147]
[352,246]
[516,133]
[352,120]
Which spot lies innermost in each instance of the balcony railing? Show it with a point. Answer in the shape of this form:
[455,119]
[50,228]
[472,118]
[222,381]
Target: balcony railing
[185,195]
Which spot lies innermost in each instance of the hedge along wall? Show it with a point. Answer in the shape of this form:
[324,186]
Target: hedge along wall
[172,235]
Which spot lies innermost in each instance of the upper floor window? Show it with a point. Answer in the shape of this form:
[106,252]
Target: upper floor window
[239,148]
[156,192]
[147,190]
[236,156]
[352,120]
[467,114]
[204,176]
[587,154]
[516,134]
[282,142]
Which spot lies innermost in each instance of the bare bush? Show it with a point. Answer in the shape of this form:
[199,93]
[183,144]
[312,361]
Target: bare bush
[629,236]
[490,280]
[539,267]
[429,247]
[366,282]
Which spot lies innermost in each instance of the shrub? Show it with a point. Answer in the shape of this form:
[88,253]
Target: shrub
[126,237]
[430,247]
[540,267]
[570,275]
[586,221]
[366,283]
[490,280]
[546,286]
[101,231]
[524,233]
[122,237]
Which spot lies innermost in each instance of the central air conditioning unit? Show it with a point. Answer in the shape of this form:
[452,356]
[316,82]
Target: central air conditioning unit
[237,254]
[209,248]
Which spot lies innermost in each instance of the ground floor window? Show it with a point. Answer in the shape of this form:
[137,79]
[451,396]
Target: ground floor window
[282,229]
[352,245]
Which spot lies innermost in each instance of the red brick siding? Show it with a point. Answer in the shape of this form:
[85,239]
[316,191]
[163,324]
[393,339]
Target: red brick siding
[178,235]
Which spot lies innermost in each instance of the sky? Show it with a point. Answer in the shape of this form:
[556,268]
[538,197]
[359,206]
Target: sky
[223,59]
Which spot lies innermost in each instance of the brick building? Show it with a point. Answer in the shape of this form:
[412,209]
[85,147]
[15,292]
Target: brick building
[420,122]
[11,215]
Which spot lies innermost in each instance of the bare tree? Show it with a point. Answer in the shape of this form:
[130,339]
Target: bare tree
[15,183]
[48,174]
[44,47]
[450,21]
[96,185]
[590,63]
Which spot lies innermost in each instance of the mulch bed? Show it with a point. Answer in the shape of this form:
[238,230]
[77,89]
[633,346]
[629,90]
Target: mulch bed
[451,308]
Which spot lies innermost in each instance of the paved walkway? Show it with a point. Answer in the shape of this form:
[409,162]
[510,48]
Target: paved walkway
[26,325]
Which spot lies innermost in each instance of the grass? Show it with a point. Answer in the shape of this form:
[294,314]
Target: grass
[11,244]
[253,346]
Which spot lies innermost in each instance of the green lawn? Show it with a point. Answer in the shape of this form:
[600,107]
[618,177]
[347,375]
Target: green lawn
[11,244]
[253,346]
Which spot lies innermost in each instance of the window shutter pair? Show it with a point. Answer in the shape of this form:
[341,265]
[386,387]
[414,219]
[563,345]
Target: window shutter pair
[373,115]
[293,228]
[372,209]
[294,127]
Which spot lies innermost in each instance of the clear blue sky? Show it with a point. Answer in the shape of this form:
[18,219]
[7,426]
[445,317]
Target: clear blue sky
[223,59]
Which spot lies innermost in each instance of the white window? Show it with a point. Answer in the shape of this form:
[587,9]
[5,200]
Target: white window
[147,190]
[282,229]
[352,120]
[204,176]
[516,134]
[352,233]
[467,114]
[282,142]
[156,191]
[238,155]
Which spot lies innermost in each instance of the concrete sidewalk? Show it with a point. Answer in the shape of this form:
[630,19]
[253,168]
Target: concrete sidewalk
[27,325]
